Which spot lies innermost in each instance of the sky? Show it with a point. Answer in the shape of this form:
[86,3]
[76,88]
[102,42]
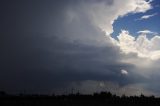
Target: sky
[86,46]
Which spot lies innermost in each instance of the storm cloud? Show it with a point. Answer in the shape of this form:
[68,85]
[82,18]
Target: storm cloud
[51,46]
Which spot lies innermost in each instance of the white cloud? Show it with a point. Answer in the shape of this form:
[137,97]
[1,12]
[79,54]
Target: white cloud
[141,45]
[146,32]
[124,72]
[147,16]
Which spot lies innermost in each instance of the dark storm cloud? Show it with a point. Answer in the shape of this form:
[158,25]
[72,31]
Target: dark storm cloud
[42,48]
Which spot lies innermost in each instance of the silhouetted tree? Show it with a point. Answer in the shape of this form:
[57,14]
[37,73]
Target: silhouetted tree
[77,99]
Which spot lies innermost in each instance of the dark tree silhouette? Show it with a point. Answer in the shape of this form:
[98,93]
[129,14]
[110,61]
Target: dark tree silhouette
[77,99]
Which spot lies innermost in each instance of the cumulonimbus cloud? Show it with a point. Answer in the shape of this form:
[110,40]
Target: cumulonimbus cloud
[81,48]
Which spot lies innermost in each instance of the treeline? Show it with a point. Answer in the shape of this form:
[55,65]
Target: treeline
[96,99]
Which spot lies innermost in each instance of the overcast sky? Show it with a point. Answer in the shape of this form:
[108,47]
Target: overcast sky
[54,46]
